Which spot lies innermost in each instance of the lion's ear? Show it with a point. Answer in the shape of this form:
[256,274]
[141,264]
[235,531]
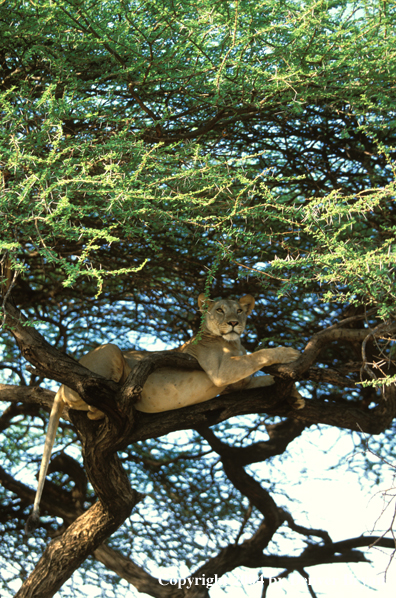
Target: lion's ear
[247,303]
[203,302]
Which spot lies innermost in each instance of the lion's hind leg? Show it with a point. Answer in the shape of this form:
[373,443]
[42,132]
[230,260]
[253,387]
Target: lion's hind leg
[107,361]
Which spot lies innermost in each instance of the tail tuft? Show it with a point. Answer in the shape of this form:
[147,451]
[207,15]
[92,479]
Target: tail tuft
[32,523]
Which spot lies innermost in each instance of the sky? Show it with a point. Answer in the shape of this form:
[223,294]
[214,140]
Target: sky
[340,502]
[334,498]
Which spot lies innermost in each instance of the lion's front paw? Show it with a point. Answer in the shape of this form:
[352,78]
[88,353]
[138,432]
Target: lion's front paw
[287,354]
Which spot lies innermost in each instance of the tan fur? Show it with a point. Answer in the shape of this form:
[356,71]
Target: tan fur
[219,352]
[225,363]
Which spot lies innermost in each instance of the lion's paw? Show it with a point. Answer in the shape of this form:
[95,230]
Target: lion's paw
[288,354]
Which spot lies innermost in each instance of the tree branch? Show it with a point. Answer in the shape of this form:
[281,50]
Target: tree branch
[281,434]
[322,339]
[264,400]
[54,364]
[33,395]
[134,574]
[65,554]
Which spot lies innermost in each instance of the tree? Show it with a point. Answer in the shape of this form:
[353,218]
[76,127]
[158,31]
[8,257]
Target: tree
[151,151]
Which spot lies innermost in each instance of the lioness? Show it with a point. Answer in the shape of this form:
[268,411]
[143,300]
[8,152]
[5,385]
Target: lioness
[227,367]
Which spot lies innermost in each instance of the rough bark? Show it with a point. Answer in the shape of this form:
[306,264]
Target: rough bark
[116,501]
[29,395]
[272,401]
[65,554]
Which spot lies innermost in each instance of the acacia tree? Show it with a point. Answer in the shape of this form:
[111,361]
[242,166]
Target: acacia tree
[152,151]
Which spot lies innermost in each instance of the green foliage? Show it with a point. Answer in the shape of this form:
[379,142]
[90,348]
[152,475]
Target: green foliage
[105,146]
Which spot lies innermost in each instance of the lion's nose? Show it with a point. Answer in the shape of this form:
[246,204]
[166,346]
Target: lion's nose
[232,323]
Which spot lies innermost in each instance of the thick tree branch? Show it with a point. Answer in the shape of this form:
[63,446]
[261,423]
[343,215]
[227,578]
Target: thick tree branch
[54,364]
[65,554]
[134,383]
[322,339]
[328,376]
[134,574]
[55,500]
[31,395]
[266,400]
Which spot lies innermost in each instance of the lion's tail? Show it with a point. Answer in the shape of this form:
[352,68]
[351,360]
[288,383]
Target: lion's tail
[56,413]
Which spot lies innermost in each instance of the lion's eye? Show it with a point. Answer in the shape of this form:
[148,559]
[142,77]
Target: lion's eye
[239,311]
[220,310]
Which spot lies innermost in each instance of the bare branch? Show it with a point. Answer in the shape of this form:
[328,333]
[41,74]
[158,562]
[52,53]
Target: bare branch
[33,395]
[321,340]
[307,531]
[134,574]
[305,576]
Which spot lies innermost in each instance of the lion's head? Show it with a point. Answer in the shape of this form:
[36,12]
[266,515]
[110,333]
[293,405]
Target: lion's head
[225,317]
